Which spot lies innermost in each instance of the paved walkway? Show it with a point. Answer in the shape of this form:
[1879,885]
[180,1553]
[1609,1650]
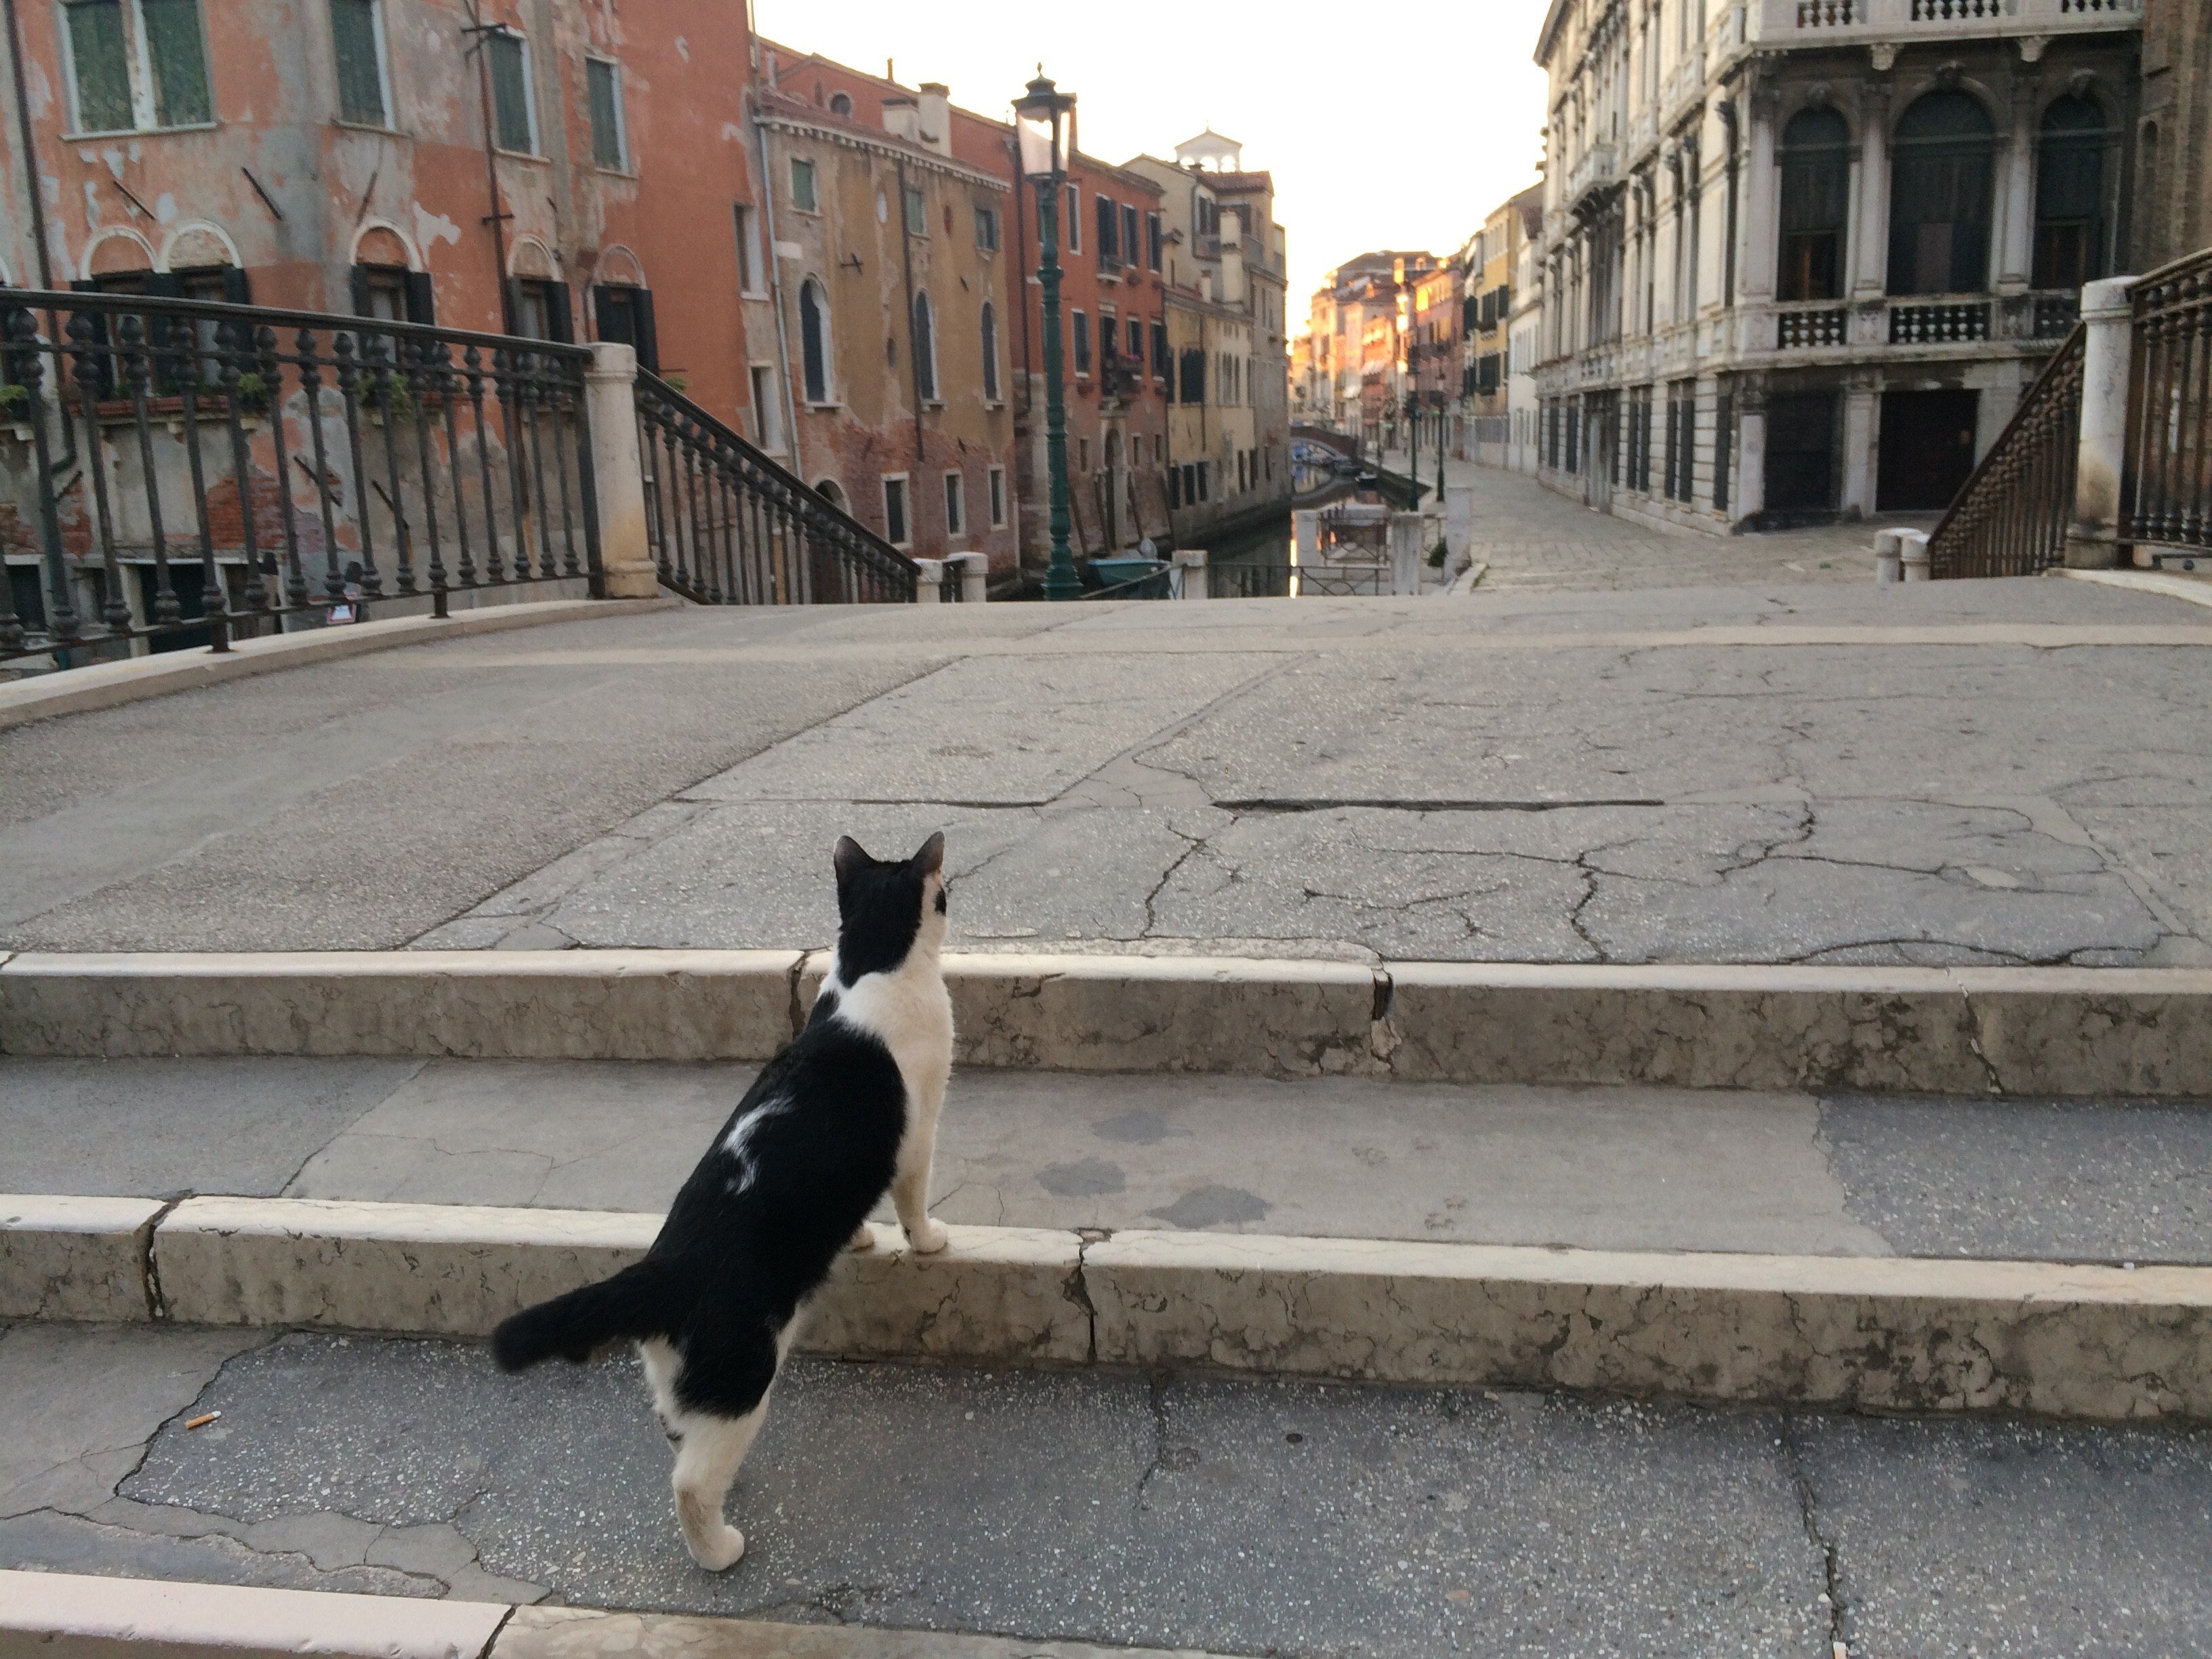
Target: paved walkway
[1296,1519]
[1958,772]
[1535,540]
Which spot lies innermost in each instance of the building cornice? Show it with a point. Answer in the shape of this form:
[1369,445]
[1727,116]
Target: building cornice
[928,161]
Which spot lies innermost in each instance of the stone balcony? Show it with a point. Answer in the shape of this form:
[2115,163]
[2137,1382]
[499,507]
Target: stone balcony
[1773,23]
[1597,168]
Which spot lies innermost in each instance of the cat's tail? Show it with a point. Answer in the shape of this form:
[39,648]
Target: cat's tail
[644,1299]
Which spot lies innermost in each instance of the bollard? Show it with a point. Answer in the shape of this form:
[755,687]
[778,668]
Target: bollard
[1886,557]
[1191,561]
[932,588]
[1912,555]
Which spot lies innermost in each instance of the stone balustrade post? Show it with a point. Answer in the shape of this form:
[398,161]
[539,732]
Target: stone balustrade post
[1406,553]
[931,588]
[1191,561]
[618,474]
[2093,538]
[973,571]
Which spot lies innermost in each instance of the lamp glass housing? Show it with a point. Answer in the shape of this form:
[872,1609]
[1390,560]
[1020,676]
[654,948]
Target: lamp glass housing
[1044,124]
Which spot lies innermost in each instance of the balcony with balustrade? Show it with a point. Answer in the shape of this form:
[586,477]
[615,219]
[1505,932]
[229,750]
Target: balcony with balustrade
[1771,23]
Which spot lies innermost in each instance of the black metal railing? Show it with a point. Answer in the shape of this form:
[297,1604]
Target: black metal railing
[727,525]
[1262,581]
[2009,517]
[1165,583]
[184,473]
[2166,497]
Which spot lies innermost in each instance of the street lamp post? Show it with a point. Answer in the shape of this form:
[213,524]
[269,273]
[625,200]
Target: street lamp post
[1043,128]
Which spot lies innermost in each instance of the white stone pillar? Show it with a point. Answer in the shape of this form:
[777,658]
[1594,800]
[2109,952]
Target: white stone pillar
[1751,463]
[2014,251]
[1762,196]
[617,477]
[1406,553]
[930,591]
[1459,518]
[1913,563]
[1888,568]
[2093,538]
[1869,251]
[1191,561]
[974,571]
[1859,479]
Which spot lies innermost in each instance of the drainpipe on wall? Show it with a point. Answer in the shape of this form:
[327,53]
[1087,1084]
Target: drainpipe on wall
[30,151]
[775,289]
[913,354]
[496,219]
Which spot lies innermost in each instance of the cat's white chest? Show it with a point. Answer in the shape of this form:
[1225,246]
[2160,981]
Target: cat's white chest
[910,1013]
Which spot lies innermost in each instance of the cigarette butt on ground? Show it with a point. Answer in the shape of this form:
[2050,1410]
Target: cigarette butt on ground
[201,1421]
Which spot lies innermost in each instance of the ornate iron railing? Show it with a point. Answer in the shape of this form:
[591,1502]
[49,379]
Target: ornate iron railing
[727,525]
[2168,496]
[2010,517]
[184,473]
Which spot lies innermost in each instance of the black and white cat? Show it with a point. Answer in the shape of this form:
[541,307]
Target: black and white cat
[848,1110]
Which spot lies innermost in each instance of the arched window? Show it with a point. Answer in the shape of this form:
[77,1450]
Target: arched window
[1816,187]
[840,103]
[925,349]
[2070,195]
[990,352]
[830,492]
[1939,198]
[814,340]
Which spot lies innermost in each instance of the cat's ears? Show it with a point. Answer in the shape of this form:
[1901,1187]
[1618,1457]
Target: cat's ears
[851,858]
[931,858]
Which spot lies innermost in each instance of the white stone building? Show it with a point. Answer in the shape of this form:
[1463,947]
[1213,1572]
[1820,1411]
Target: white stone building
[1799,257]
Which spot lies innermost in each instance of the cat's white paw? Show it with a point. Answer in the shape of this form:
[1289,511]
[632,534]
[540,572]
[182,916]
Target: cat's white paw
[930,1237]
[719,1553]
[863,1240]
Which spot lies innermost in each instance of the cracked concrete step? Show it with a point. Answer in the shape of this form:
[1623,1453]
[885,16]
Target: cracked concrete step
[1163,1510]
[1880,1333]
[1622,1169]
[64,1615]
[1959,1031]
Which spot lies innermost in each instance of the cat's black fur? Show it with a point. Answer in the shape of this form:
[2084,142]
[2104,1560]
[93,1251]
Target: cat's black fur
[753,1234]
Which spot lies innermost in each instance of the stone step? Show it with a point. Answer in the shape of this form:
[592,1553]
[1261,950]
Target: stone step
[1879,1333]
[1956,1030]
[1775,1172]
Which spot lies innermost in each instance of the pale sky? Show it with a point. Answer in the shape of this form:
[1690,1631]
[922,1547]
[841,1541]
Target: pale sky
[1401,126]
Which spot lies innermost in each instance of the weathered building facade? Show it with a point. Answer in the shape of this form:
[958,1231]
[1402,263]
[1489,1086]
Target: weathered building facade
[545,174]
[1492,258]
[2173,141]
[1799,259]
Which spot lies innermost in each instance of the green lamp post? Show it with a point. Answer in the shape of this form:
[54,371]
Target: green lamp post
[1043,130]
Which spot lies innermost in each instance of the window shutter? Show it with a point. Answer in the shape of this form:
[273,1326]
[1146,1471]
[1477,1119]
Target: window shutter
[237,290]
[558,317]
[648,339]
[421,298]
[513,292]
[603,316]
[360,285]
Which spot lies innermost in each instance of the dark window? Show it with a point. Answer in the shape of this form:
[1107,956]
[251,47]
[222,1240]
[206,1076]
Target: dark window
[102,62]
[1174,489]
[1082,343]
[917,212]
[1109,232]
[925,348]
[840,103]
[1927,449]
[956,504]
[1571,412]
[510,92]
[1193,389]
[361,71]
[1816,177]
[1724,443]
[1134,333]
[1154,240]
[895,527]
[1939,203]
[2070,195]
[990,351]
[624,315]
[1204,484]
[1129,234]
[814,340]
[394,293]
[541,310]
[1801,452]
[1159,351]
[986,227]
[604,87]
[178,51]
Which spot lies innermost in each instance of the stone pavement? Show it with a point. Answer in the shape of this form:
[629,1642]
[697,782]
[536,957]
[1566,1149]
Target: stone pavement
[1621,1168]
[1951,773]
[1172,1511]
[1535,539]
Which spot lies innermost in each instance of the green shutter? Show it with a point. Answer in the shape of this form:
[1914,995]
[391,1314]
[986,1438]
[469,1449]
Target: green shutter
[179,52]
[361,80]
[103,67]
[606,120]
[510,92]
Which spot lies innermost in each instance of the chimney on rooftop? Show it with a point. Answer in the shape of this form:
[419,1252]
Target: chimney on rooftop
[902,118]
[937,117]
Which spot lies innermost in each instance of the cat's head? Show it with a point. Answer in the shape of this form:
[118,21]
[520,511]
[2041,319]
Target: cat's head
[887,909]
